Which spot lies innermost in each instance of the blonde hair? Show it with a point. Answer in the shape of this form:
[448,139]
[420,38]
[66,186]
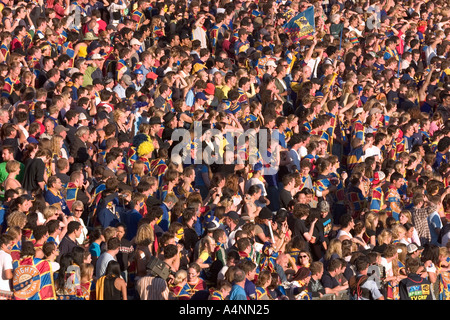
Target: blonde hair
[180,276]
[117,113]
[49,212]
[397,229]
[12,166]
[144,235]
[204,242]
[384,236]
[407,214]
[109,232]
[138,167]
[335,246]
[87,270]
[16,218]
[56,144]
[369,222]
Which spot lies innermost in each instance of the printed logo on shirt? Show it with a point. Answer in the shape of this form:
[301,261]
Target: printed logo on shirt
[419,292]
[26,282]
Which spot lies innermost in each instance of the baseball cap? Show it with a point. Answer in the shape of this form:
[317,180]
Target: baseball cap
[155,120]
[210,89]
[97,56]
[265,213]
[59,128]
[127,79]
[200,95]
[233,215]
[108,80]
[378,176]
[212,225]
[94,45]
[97,81]
[271,63]
[152,75]
[258,166]
[412,247]
[102,116]
[358,111]
[83,116]
[135,41]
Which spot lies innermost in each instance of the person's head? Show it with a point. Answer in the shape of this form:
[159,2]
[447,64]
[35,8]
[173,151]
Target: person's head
[193,272]
[6,243]
[170,251]
[113,269]
[40,233]
[412,264]
[362,263]
[74,228]
[12,166]
[239,276]
[180,277]
[77,208]
[50,249]
[113,245]
[317,269]
[249,267]
[346,221]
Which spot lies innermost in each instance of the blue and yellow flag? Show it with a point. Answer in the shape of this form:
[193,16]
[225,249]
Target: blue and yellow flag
[302,25]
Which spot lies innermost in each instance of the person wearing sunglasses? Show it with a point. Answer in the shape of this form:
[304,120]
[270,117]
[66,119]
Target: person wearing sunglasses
[77,211]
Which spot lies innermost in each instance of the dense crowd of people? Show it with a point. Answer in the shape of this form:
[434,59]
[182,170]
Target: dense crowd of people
[125,174]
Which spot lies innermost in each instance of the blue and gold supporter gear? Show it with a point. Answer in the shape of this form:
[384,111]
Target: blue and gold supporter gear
[33,279]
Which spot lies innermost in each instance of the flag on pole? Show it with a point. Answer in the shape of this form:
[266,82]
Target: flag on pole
[301,26]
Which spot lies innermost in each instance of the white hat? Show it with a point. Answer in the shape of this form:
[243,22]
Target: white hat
[271,63]
[375,110]
[358,111]
[135,41]
[82,116]
[96,56]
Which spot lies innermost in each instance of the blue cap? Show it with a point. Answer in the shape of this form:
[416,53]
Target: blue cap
[201,95]
[258,166]
[138,71]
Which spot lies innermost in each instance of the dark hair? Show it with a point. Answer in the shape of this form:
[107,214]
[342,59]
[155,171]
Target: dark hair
[170,251]
[113,243]
[72,226]
[112,269]
[78,255]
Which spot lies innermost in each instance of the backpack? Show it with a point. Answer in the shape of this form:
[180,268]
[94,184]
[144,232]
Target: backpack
[355,286]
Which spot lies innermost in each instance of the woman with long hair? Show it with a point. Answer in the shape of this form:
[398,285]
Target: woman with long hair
[111,286]
[143,240]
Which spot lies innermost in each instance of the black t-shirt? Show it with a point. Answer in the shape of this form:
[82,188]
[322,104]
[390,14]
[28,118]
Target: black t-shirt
[34,173]
[190,239]
[285,198]
[328,281]
[125,250]
[325,226]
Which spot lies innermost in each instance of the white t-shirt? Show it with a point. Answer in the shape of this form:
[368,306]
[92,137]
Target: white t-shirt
[256,181]
[372,151]
[387,266]
[5,264]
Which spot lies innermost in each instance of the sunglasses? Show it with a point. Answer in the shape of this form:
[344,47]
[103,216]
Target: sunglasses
[303,256]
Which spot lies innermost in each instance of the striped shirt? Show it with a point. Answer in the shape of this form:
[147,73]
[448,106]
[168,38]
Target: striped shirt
[152,288]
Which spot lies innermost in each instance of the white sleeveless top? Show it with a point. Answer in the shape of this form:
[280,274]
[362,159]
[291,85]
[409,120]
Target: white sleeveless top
[343,233]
